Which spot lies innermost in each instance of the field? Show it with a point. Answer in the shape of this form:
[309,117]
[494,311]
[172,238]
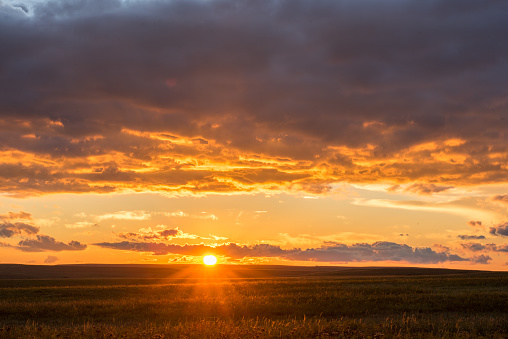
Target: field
[229,302]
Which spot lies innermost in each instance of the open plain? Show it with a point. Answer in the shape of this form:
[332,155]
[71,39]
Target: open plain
[191,301]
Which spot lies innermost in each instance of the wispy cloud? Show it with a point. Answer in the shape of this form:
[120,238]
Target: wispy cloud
[309,240]
[51,259]
[420,188]
[451,206]
[81,224]
[181,214]
[126,215]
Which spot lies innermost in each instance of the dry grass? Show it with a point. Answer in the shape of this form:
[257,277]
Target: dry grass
[454,307]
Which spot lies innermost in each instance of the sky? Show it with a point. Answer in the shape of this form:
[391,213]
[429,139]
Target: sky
[295,132]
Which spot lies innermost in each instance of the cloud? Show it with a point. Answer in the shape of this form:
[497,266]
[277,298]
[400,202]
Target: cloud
[501,229]
[460,207]
[16,215]
[476,224]
[217,238]
[474,247]
[182,259]
[223,96]
[4,244]
[8,230]
[328,252]
[481,259]
[181,214]
[51,259]
[471,237]
[176,214]
[441,248]
[80,224]
[378,251]
[169,232]
[13,9]
[126,215]
[497,248]
[43,243]
[38,242]
[160,233]
[477,247]
[501,198]
[426,189]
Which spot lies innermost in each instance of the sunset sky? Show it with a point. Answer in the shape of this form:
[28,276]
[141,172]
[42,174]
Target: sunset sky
[298,132]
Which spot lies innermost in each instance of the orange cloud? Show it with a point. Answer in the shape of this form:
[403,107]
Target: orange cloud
[16,215]
[501,198]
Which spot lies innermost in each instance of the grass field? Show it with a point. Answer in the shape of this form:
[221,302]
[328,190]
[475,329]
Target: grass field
[210,306]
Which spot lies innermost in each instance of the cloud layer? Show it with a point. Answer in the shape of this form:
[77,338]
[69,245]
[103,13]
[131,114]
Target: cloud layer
[329,252]
[237,96]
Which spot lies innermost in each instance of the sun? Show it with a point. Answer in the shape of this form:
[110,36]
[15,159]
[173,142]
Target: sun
[209,260]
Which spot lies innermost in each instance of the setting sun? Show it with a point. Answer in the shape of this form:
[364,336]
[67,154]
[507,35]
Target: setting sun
[210,260]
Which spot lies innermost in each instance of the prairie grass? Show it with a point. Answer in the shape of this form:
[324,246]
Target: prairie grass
[424,307]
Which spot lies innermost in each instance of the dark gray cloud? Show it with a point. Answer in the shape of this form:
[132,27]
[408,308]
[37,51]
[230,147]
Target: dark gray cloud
[497,248]
[471,237]
[329,252]
[277,79]
[43,243]
[501,229]
[481,259]
[8,230]
[477,247]
[474,247]
[378,251]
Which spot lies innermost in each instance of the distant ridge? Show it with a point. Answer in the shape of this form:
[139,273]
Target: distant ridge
[132,271]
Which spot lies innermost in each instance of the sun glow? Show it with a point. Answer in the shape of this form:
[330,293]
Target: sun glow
[210,260]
